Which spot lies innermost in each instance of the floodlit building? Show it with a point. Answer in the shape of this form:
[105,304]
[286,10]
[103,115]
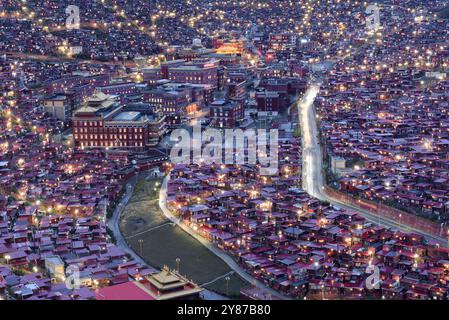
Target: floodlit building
[55,267]
[58,106]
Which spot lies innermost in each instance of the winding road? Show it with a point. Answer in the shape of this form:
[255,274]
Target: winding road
[114,222]
[313,179]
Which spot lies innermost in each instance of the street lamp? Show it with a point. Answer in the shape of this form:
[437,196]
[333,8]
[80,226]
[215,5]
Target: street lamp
[178,260]
[227,285]
[141,247]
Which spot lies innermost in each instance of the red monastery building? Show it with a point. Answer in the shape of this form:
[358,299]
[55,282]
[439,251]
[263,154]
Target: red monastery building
[103,122]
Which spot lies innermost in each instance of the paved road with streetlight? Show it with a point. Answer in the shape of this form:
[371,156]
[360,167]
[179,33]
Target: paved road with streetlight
[313,179]
[221,254]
